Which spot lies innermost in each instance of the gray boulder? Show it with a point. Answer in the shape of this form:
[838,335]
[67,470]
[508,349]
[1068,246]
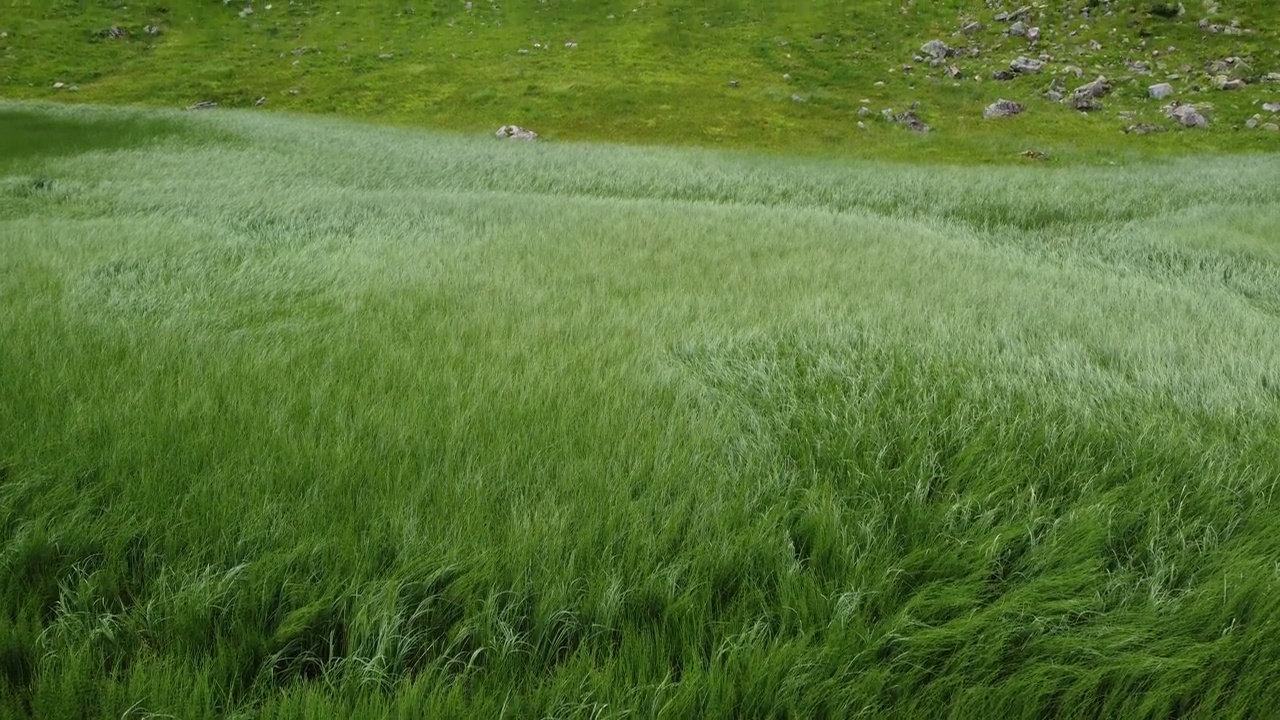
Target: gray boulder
[1186,115]
[1002,109]
[936,49]
[1160,91]
[515,132]
[1026,65]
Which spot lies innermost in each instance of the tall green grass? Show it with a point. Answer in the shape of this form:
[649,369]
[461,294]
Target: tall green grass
[303,419]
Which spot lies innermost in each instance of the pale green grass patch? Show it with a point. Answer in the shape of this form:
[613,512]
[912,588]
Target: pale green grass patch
[300,418]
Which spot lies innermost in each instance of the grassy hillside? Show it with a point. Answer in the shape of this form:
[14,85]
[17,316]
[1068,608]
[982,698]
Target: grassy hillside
[659,71]
[303,419]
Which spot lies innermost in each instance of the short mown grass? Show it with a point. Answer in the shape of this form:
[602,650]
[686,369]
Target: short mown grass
[305,419]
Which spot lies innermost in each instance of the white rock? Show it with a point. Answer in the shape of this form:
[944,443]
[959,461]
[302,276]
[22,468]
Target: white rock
[1160,91]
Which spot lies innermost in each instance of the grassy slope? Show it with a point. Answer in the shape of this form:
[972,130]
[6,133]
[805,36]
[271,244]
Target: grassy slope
[650,72]
[304,419]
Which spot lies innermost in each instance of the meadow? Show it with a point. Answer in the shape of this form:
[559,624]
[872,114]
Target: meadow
[785,78]
[302,418]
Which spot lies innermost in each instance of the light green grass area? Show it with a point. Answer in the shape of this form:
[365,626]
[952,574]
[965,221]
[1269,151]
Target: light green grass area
[305,419]
[659,71]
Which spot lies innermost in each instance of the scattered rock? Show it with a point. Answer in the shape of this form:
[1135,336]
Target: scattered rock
[515,132]
[908,120]
[864,111]
[954,72]
[1097,89]
[116,33]
[1233,84]
[786,77]
[1085,103]
[1143,129]
[260,101]
[1018,29]
[247,11]
[799,99]
[1252,122]
[1073,70]
[1011,16]
[387,56]
[522,51]
[571,45]
[1186,114]
[203,105]
[1035,155]
[1271,127]
[971,28]
[1160,91]
[1026,65]
[59,85]
[1053,96]
[734,84]
[862,125]
[1271,107]
[1002,109]
[153,30]
[1033,34]
[1003,75]
[937,50]
[1272,77]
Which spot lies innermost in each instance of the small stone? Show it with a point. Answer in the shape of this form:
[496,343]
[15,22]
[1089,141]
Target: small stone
[571,45]
[1233,84]
[1053,96]
[1018,29]
[798,98]
[59,85]
[515,132]
[1143,129]
[260,101]
[1160,91]
[864,111]
[786,77]
[1187,115]
[1085,103]
[1271,127]
[523,51]
[1271,107]
[1002,109]
[954,72]
[1003,75]
[1251,123]
[936,49]
[1073,70]
[1033,34]
[971,28]
[387,56]
[1096,89]
[734,84]
[1026,65]
[203,105]
[862,125]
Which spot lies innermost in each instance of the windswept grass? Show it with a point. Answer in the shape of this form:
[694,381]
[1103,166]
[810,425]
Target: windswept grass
[305,419]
